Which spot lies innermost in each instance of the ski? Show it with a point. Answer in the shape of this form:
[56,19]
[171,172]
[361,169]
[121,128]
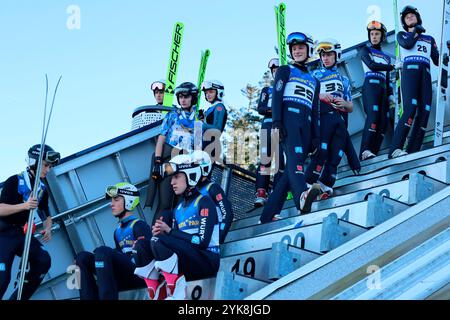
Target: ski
[280,17]
[174,59]
[397,89]
[31,215]
[201,77]
[198,125]
[441,99]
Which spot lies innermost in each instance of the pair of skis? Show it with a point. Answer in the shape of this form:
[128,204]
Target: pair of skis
[29,230]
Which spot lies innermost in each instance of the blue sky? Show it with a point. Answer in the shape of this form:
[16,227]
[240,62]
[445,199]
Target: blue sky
[121,47]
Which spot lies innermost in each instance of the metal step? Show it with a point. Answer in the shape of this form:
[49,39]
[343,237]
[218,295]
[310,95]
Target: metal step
[309,237]
[258,264]
[401,163]
[369,213]
[383,154]
[417,188]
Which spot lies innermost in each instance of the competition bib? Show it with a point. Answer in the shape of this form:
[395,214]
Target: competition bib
[421,52]
[299,92]
[332,86]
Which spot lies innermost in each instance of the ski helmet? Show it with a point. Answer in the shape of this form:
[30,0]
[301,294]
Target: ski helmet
[204,160]
[184,163]
[330,45]
[299,38]
[128,191]
[158,85]
[375,25]
[187,88]
[216,85]
[273,63]
[49,155]
[405,11]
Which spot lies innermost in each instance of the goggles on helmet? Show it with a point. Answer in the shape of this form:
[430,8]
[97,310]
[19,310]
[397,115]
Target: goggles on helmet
[157,85]
[114,191]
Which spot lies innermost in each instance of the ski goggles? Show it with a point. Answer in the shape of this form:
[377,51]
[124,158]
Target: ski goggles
[375,25]
[52,157]
[297,38]
[170,168]
[206,85]
[325,47]
[158,85]
[274,63]
[114,191]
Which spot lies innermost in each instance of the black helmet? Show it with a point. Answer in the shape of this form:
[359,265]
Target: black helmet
[187,88]
[405,11]
[49,155]
[375,25]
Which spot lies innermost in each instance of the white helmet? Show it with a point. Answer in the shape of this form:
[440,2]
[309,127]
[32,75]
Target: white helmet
[204,160]
[126,190]
[184,163]
[216,85]
[330,45]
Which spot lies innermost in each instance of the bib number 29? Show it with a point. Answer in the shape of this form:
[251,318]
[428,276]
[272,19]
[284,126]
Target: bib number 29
[304,92]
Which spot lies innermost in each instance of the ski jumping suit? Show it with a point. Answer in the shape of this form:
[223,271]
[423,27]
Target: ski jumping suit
[194,237]
[265,143]
[333,129]
[375,92]
[115,267]
[16,190]
[224,210]
[416,53]
[214,118]
[295,106]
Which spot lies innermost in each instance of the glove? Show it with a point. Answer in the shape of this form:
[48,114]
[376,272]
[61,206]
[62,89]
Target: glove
[420,29]
[201,114]
[277,125]
[157,170]
[398,64]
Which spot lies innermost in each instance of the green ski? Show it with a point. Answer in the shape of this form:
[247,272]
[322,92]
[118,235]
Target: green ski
[280,15]
[198,125]
[201,77]
[174,59]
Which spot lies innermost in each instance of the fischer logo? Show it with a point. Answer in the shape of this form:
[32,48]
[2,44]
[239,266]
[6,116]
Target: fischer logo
[174,56]
[282,33]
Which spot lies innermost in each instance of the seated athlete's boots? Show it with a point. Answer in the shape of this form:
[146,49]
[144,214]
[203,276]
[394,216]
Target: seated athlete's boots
[156,289]
[155,285]
[308,196]
[176,286]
